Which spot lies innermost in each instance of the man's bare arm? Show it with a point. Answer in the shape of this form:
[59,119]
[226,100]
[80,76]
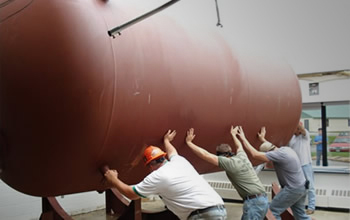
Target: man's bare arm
[257,155]
[234,132]
[169,148]
[113,180]
[200,152]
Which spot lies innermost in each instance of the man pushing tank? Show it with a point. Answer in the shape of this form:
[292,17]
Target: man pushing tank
[179,185]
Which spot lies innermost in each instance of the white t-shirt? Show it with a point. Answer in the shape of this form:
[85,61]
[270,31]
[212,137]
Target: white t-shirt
[301,145]
[180,186]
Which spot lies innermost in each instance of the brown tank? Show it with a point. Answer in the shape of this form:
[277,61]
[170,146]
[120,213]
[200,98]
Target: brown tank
[73,99]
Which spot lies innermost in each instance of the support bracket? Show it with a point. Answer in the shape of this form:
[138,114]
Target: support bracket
[51,210]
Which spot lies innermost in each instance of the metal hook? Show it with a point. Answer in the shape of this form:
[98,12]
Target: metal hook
[218,14]
[140,18]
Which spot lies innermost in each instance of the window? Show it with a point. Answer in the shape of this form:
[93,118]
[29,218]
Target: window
[338,129]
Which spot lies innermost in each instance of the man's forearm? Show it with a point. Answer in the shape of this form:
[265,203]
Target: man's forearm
[237,143]
[203,154]
[260,156]
[248,146]
[125,189]
[200,152]
[169,148]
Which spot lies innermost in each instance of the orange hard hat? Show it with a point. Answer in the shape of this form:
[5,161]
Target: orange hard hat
[152,153]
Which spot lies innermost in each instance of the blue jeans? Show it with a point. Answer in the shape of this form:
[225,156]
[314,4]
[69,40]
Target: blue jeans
[214,214]
[318,157]
[309,175]
[255,209]
[290,197]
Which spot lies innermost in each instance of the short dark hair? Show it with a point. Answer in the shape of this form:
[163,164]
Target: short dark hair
[320,129]
[224,150]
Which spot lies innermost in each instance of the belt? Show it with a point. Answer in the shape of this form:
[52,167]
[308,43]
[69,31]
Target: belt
[199,211]
[254,196]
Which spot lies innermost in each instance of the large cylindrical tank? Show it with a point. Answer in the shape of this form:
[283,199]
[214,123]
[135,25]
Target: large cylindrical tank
[73,99]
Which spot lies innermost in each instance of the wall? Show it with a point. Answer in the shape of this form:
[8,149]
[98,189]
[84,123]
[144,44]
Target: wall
[335,125]
[338,125]
[329,91]
[18,206]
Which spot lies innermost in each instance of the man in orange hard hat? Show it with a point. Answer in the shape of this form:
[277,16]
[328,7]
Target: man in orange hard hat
[179,185]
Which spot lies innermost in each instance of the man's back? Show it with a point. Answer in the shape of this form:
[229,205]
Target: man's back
[287,166]
[181,188]
[242,175]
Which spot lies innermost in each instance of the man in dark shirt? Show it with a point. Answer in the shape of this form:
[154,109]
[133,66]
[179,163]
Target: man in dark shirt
[289,173]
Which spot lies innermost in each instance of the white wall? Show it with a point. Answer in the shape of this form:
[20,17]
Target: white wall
[335,125]
[338,125]
[314,124]
[333,91]
[329,91]
[18,206]
[331,188]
